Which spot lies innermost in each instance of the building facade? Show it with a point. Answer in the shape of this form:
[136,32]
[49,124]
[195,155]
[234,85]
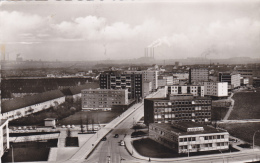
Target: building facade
[177,108]
[148,76]
[195,90]
[103,98]
[188,137]
[198,75]
[233,79]
[4,136]
[121,80]
[216,89]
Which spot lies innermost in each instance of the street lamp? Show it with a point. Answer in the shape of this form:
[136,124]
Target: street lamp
[254,138]
[222,156]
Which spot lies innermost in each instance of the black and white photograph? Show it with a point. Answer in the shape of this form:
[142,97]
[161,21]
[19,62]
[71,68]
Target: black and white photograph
[130,81]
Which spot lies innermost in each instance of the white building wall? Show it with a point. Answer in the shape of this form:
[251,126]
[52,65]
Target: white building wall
[235,80]
[218,89]
[2,138]
[11,115]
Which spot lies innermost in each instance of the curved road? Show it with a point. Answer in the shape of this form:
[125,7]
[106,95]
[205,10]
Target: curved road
[110,150]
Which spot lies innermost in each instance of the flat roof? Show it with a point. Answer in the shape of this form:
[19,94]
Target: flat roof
[49,119]
[2,121]
[170,127]
[166,99]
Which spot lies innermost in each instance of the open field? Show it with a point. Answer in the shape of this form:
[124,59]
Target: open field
[247,105]
[244,131]
[96,116]
[218,113]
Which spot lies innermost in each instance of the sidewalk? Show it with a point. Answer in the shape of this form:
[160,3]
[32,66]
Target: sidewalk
[134,153]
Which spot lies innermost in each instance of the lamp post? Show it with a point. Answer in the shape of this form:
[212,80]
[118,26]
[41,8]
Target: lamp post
[12,153]
[222,156]
[254,138]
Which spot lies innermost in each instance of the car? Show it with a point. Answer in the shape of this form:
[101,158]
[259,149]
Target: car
[68,126]
[63,126]
[116,136]
[72,126]
[104,138]
[122,142]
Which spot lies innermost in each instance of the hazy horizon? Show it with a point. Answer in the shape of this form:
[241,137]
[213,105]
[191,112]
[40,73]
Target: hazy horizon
[82,31]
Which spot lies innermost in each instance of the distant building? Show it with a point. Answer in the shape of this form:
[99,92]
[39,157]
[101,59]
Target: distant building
[177,108]
[256,81]
[103,98]
[216,89]
[188,137]
[4,136]
[198,75]
[165,80]
[147,87]
[121,80]
[148,76]
[195,90]
[181,76]
[50,122]
[233,79]
[244,81]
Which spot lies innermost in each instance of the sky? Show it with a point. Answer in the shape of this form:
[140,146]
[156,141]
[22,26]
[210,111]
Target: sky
[83,31]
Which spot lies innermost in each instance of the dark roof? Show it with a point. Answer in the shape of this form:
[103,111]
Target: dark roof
[2,121]
[21,102]
[50,119]
[166,99]
[77,89]
[170,127]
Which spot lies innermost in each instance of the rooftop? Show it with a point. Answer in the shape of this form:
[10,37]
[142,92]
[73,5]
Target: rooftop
[181,128]
[179,98]
[2,121]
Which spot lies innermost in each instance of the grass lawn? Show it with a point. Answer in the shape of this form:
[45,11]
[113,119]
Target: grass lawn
[29,151]
[150,148]
[72,142]
[96,116]
[247,105]
[244,131]
[218,113]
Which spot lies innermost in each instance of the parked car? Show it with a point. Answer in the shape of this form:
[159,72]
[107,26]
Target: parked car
[72,126]
[104,138]
[63,126]
[116,136]
[68,126]
[122,142]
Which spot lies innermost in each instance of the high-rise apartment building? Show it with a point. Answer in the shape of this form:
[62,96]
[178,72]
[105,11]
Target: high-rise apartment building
[103,98]
[177,108]
[121,80]
[148,76]
[198,75]
[216,89]
[195,90]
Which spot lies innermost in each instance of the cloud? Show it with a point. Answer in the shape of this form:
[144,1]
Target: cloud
[16,26]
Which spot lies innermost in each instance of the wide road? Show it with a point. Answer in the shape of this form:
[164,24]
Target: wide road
[110,150]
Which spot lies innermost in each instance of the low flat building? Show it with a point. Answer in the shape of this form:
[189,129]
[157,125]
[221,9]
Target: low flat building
[103,98]
[4,136]
[216,89]
[177,108]
[195,90]
[188,137]
[19,107]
